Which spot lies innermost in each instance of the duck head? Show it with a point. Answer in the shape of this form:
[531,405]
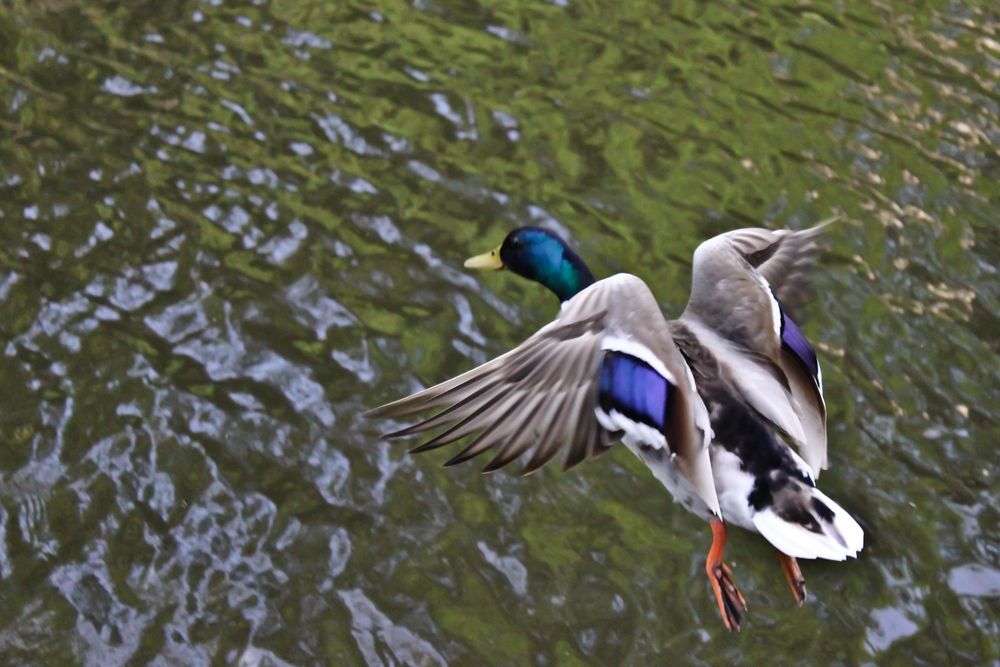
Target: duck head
[539,255]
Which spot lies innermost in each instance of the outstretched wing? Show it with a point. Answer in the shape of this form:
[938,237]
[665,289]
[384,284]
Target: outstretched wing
[735,312]
[784,257]
[605,367]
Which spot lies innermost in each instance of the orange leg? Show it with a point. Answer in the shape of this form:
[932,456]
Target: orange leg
[730,600]
[794,576]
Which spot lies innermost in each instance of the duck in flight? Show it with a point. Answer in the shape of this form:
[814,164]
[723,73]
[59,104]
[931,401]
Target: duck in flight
[710,402]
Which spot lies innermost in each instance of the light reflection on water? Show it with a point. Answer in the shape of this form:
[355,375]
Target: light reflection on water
[230,227]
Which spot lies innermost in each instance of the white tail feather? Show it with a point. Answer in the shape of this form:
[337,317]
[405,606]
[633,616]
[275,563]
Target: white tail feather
[844,523]
[840,539]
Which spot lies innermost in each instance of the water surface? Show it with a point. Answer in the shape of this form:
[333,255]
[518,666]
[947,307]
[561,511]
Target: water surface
[227,228]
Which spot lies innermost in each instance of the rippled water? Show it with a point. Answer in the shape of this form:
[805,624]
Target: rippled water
[229,227]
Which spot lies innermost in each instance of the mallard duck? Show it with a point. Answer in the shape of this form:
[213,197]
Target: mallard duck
[708,402]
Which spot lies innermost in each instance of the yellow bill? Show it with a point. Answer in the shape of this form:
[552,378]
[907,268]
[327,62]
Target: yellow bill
[488,261]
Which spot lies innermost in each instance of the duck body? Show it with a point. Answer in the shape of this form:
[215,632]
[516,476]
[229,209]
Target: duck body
[709,402]
[763,485]
[762,383]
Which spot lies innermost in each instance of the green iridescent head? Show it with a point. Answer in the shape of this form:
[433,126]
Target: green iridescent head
[538,254]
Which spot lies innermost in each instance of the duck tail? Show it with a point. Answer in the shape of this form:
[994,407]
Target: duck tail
[804,523]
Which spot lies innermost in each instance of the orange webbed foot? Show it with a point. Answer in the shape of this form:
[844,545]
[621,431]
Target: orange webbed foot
[794,577]
[727,595]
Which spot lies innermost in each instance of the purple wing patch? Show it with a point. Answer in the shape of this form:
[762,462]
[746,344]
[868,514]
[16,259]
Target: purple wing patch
[631,386]
[795,340]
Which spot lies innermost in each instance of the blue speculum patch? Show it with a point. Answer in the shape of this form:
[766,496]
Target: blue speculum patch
[631,386]
[795,340]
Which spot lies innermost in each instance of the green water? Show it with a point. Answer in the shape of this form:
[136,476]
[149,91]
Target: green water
[227,228]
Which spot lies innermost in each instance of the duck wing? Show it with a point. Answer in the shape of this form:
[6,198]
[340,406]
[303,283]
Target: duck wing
[605,368]
[734,313]
[784,257]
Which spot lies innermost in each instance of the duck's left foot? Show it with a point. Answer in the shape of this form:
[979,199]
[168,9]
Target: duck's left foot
[727,595]
[794,576]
